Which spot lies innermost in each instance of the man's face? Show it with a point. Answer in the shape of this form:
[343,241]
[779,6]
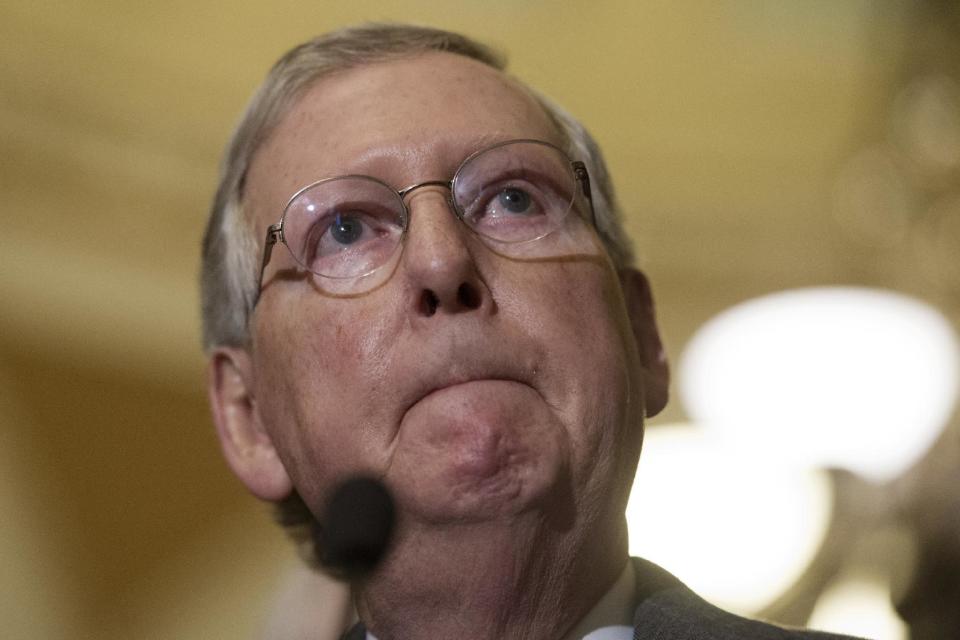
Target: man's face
[475,385]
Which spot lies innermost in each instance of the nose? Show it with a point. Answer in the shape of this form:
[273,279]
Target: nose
[438,257]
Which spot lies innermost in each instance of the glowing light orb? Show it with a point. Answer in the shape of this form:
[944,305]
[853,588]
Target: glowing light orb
[735,526]
[857,378]
[858,607]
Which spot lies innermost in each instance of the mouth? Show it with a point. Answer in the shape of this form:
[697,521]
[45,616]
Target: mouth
[463,376]
[453,363]
[461,382]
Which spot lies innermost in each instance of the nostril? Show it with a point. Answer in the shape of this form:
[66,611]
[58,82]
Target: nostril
[429,303]
[468,296]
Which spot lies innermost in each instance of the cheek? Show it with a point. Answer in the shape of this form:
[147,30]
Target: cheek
[581,318]
[302,353]
[320,367]
[594,368]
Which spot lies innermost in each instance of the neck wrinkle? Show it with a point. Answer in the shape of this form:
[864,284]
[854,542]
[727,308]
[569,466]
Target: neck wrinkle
[490,582]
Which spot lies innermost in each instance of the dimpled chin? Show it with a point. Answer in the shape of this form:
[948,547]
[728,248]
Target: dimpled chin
[477,450]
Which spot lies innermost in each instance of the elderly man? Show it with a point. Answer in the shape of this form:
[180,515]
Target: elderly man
[453,312]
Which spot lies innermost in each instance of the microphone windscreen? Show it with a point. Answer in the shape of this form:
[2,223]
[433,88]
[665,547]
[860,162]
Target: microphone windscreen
[356,527]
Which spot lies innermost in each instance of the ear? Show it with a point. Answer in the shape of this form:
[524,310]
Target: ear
[653,359]
[246,445]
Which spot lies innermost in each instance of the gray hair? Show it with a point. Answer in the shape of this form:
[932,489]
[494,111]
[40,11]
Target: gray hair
[229,268]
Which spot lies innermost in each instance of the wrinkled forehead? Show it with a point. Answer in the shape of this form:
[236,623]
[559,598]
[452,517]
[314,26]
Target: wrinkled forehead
[402,121]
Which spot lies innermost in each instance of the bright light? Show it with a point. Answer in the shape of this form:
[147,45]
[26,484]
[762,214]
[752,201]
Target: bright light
[733,525]
[858,607]
[856,378]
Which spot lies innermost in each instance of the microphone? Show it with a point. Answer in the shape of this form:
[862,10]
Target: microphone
[355,529]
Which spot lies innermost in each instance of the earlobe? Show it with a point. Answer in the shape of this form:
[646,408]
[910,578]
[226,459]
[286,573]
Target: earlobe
[653,359]
[246,445]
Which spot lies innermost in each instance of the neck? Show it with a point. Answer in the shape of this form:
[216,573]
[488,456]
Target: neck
[515,580]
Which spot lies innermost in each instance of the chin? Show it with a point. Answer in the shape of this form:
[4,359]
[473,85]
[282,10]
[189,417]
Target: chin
[509,493]
[477,452]
[471,486]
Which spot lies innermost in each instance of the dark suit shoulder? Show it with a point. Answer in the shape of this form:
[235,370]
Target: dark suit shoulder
[669,610]
[356,632]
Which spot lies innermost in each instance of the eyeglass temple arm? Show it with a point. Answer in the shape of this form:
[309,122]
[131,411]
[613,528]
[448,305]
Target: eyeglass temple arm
[580,171]
[274,236]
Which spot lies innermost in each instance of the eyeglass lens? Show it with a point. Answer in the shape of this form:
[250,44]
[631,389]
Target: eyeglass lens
[349,226]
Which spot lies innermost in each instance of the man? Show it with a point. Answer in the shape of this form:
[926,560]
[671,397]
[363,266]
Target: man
[455,313]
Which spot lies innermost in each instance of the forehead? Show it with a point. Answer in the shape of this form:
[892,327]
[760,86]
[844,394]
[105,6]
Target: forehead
[402,121]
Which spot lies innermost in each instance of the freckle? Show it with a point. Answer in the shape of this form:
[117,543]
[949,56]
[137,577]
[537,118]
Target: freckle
[339,330]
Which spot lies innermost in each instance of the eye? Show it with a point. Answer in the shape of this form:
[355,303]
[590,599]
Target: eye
[516,191]
[345,229]
[346,239]
[509,202]
[514,200]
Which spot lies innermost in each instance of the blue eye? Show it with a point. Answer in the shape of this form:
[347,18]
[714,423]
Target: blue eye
[514,200]
[346,230]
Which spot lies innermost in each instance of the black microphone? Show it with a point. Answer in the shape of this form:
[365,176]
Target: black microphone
[355,529]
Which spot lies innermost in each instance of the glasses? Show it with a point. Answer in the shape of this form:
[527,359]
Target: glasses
[511,195]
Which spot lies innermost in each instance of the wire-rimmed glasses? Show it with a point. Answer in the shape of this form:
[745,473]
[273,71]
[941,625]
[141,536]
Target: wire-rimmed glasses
[512,194]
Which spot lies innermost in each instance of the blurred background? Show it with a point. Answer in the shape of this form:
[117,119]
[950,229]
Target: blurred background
[758,147]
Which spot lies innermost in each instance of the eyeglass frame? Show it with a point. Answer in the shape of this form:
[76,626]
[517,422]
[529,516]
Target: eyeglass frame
[275,230]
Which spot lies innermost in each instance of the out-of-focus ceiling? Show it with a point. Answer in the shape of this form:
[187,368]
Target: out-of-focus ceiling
[725,126]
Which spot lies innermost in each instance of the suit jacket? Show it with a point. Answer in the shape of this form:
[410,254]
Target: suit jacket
[668,610]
